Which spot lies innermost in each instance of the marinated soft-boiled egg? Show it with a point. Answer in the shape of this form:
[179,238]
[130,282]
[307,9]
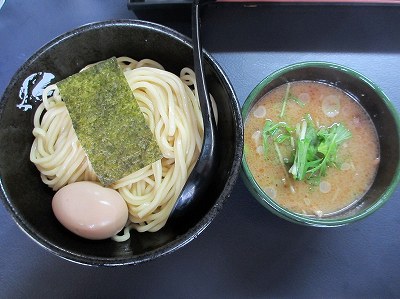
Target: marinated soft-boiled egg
[90,210]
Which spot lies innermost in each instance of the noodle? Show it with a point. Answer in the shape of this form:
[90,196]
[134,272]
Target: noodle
[171,109]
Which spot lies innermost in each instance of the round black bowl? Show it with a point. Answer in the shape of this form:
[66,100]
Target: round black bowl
[29,200]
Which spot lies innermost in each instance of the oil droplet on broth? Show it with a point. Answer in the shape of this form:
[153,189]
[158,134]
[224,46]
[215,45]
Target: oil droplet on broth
[260,149]
[256,137]
[345,166]
[260,112]
[304,97]
[307,201]
[331,105]
[325,187]
[271,192]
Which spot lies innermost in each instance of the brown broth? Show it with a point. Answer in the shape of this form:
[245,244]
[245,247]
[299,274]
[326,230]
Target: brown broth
[358,156]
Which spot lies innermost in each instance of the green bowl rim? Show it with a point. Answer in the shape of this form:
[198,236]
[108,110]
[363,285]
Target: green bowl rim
[268,202]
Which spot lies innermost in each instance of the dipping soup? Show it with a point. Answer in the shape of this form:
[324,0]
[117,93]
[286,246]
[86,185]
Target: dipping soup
[343,139]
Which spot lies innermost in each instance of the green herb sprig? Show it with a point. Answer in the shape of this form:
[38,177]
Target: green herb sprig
[314,149]
[289,96]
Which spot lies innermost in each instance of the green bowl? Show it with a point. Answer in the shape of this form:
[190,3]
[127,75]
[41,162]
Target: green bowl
[383,115]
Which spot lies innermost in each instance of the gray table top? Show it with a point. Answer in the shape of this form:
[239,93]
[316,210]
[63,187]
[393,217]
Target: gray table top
[246,252]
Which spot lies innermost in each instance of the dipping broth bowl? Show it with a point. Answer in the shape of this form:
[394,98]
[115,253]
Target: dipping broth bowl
[384,117]
[28,199]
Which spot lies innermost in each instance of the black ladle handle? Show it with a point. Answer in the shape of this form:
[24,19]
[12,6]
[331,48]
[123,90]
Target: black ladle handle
[199,62]
[193,200]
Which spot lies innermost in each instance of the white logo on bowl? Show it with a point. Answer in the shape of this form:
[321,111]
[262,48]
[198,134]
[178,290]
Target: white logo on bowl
[32,89]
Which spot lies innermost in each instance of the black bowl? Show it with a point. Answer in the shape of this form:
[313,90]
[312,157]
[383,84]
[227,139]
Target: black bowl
[29,200]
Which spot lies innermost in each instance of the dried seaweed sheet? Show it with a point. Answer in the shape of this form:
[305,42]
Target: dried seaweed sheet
[108,121]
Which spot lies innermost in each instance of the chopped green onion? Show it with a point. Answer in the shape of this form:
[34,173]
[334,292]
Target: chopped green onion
[285,100]
[289,96]
[314,150]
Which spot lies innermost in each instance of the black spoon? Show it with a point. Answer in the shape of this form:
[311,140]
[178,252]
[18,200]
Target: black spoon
[192,200]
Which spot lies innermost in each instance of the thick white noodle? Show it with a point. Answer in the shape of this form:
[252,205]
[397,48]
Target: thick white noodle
[171,109]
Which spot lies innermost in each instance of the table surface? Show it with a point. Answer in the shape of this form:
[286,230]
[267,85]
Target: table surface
[246,252]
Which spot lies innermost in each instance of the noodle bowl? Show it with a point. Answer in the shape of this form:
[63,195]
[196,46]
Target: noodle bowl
[29,200]
[171,109]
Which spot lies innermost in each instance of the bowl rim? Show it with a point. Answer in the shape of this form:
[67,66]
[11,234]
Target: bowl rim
[267,201]
[180,240]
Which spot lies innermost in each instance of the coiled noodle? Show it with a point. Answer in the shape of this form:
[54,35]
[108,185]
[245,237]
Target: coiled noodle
[171,109]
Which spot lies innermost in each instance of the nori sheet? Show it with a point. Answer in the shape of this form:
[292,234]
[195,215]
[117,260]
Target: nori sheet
[108,122]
